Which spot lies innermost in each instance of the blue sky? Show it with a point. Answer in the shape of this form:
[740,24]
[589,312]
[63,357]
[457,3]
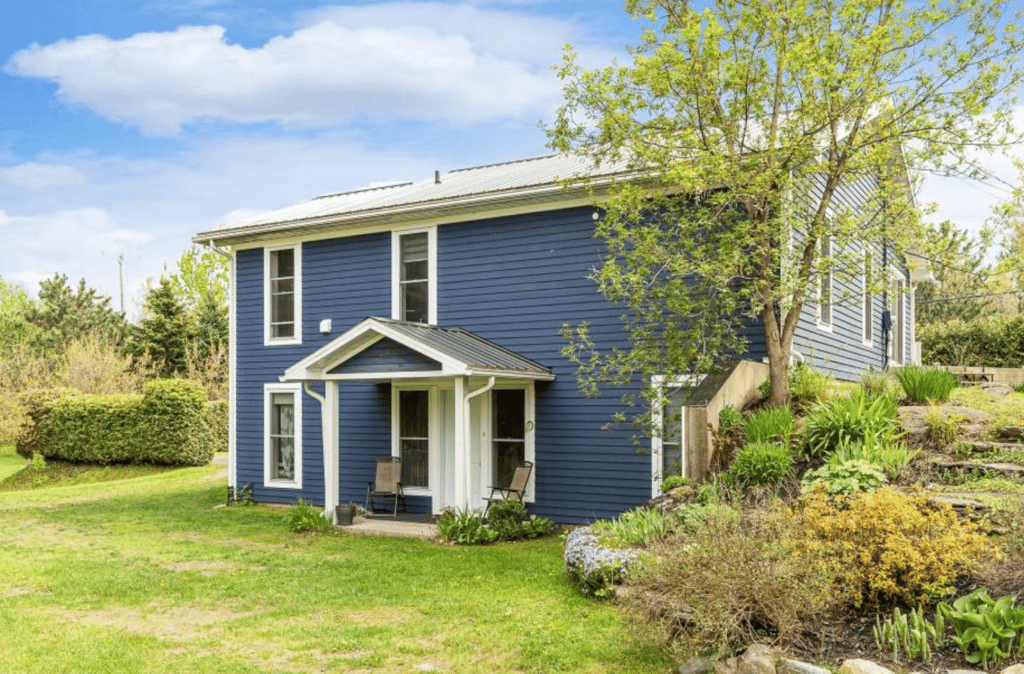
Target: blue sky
[129,126]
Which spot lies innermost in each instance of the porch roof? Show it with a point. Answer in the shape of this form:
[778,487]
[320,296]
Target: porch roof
[375,348]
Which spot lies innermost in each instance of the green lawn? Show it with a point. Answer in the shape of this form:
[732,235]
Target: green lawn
[150,574]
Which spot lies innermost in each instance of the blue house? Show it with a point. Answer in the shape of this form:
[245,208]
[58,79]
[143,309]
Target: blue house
[423,320]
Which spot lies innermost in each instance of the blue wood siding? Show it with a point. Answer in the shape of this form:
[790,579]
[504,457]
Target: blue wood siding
[386,355]
[841,350]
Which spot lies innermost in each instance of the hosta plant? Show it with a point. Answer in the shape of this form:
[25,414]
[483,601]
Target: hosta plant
[987,630]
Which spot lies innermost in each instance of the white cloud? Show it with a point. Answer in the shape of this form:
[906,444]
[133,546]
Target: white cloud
[36,175]
[82,243]
[420,61]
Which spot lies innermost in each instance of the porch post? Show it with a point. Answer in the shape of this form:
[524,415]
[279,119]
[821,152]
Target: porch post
[462,465]
[329,420]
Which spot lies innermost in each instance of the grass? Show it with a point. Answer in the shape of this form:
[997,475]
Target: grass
[151,574]
[1005,411]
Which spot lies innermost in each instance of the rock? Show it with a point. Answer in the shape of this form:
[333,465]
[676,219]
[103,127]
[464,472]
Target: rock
[863,667]
[1011,432]
[757,659]
[727,667]
[964,671]
[797,667]
[997,390]
[697,666]
[1013,669]
[914,419]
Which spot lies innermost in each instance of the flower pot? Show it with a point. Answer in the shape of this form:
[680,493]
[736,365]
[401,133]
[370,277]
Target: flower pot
[344,514]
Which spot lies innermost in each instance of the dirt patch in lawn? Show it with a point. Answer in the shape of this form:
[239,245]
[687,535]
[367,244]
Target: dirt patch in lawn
[184,623]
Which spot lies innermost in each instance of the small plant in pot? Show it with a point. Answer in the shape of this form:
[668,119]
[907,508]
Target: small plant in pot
[345,513]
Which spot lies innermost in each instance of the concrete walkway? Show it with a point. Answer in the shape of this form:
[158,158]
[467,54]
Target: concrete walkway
[383,526]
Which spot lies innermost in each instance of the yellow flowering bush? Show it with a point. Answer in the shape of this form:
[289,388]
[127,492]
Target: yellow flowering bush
[891,545]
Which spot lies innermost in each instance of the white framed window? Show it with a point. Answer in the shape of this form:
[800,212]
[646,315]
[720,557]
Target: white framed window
[867,300]
[282,436]
[282,295]
[825,290]
[897,316]
[414,275]
[668,425]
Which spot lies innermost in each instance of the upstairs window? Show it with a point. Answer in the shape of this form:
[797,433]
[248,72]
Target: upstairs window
[414,269]
[283,295]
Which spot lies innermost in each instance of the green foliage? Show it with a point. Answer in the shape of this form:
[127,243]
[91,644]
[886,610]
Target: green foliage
[304,517]
[987,630]
[846,419]
[845,478]
[770,424]
[807,385]
[465,527]
[169,424]
[506,520]
[960,289]
[910,633]
[729,418]
[891,457]
[926,385]
[634,528]
[943,428]
[761,463]
[673,481]
[875,384]
[164,334]
[62,314]
[996,341]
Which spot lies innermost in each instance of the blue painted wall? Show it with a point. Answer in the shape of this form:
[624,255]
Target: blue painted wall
[514,281]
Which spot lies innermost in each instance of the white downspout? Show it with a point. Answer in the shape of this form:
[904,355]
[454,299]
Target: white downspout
[465,463]
[232,369]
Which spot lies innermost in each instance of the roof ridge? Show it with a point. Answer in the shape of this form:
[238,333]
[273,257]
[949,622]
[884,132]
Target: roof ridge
[364,189]
[507,163]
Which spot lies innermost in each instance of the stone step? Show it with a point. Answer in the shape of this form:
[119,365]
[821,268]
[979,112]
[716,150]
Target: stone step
[987,446]
[1008,469]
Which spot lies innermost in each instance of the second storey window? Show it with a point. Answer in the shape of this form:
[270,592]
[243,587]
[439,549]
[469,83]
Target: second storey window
[283,295]
[414,270]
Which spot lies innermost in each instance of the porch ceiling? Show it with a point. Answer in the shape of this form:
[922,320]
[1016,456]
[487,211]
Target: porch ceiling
[440,352]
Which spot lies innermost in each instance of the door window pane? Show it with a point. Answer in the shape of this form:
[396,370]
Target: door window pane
[414,437]
[671,434]
[509,428]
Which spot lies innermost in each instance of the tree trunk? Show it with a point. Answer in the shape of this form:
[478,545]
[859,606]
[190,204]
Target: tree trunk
[778,358]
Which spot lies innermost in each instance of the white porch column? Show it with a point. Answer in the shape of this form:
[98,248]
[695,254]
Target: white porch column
[329,418]
[462,443]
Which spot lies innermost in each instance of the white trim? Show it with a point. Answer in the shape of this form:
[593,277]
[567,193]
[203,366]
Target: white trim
[396,289]
[867,299]
[232,371]
[659,383]
[296,338]
[296,391]
[825,325]
[898,306]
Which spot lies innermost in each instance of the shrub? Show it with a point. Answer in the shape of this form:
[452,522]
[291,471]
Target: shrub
[923,385]
[942,428]
[595,569]
[729,418]
[770,424]
[761,463]
[850,418]
[997,341]
[875,384]
[891,457]
[304,516]
[892,546]
[807,386]
[731,581]
[465,527]
[639,527]
[844,479]
[673,481]
[167,425]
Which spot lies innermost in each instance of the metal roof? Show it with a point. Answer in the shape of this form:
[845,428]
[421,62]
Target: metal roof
[522,181]
[459,352]
[464,346]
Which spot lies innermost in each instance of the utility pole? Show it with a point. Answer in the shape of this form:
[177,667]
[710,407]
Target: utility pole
[120,269]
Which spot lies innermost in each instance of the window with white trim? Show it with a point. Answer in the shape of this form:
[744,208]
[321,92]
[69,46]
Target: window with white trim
[282,435]
[668,422]
[414,275]
[897,344]
[825,282]
[282,294]
[867,301]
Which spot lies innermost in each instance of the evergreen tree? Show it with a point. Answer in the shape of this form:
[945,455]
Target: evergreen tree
[165,332]
[961,276]
[62,313]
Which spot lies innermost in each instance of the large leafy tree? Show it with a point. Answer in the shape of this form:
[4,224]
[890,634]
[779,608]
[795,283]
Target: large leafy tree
[961,288]
[747,120]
